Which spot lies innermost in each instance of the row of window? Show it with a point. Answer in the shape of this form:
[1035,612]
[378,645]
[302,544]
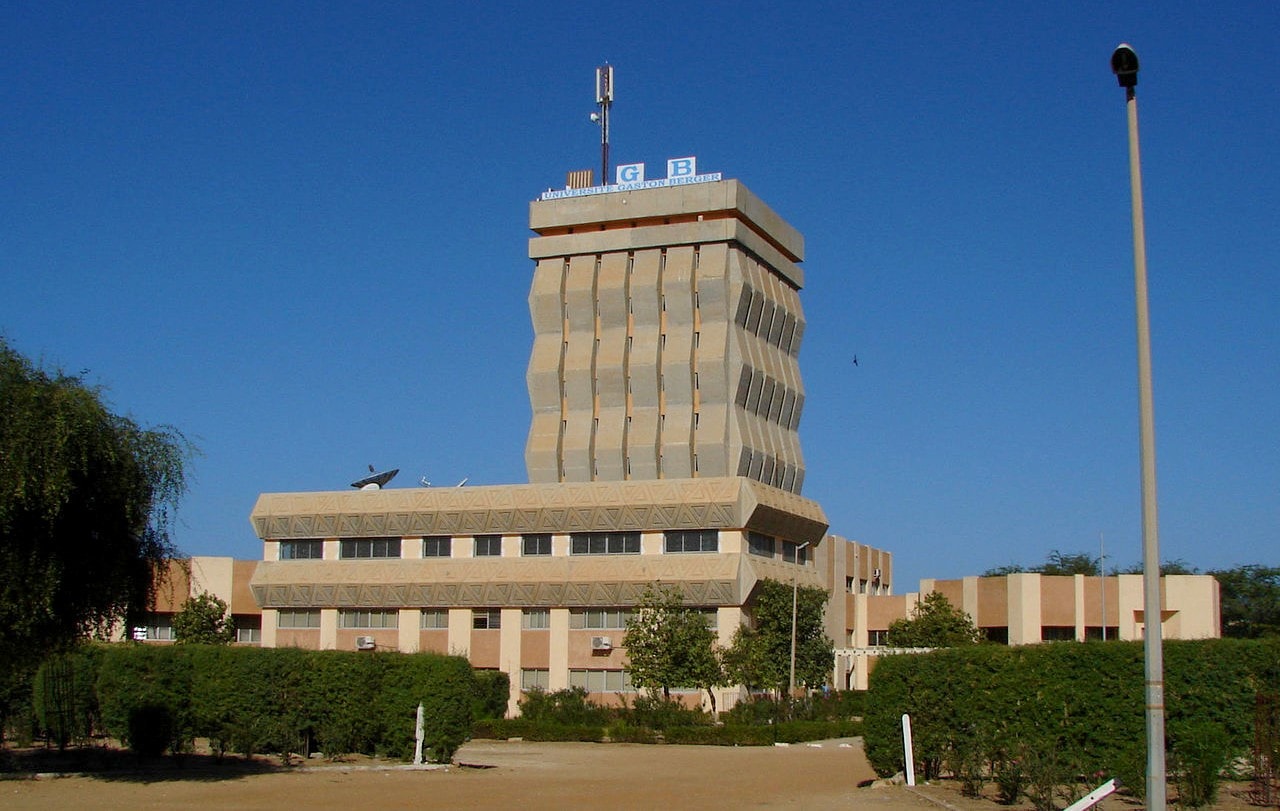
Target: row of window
[580,543]
[764,467]
[593,681]
[534,545]
[769,399]
[532,619]
[769,320]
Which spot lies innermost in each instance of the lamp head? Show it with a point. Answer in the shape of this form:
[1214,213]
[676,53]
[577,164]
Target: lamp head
[1124,64]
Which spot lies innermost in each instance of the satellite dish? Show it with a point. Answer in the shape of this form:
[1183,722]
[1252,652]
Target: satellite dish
[423,481]
[464,481]
[377,481]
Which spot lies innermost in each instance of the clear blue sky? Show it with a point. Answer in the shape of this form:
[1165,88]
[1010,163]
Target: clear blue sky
[298,233]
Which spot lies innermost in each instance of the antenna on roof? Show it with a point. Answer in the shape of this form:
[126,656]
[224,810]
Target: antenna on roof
[604,98]
[377,481]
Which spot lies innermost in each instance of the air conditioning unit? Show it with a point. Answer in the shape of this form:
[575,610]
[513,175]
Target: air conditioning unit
[601,643]
[875,575]
[366,643]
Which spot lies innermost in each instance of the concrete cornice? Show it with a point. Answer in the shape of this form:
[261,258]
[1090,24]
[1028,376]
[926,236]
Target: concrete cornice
[705,503]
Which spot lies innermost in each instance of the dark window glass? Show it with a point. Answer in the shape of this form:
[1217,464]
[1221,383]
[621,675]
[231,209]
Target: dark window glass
[304,549]
[369,548]
[439,546]
[486,618]
[539,544]
[605,543]
[488,546]
[758,544]
[691,540]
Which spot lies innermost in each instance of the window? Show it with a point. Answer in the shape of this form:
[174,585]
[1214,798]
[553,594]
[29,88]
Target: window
[487,546]
[535,619]
[758,544]
[691,540]
[248,628]
[300,618]
[599,619]
[1058,633]
[601,681]
[532,545]
[877,639]
[486,618]
[793,553]
[711,616]
[369,548]
[305,549]
[605,543]
[849,585]
[368,619]
[434,618]
[438,546]
[157,629]
[535,679]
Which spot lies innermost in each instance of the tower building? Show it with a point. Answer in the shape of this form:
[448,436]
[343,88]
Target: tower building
[663,448]
[667,328]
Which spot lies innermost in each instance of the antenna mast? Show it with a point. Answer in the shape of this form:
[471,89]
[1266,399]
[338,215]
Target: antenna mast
[604,98]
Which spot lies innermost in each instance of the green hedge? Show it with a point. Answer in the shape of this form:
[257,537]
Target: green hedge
[286,700]
[1037,717]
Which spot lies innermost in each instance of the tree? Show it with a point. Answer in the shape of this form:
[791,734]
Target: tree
[935,623]
[204,620]
[1178,566]
[1250,597]
[86,502]
[760,656]
[670,645]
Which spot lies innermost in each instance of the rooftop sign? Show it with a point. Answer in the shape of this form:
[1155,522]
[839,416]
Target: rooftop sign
[630,177]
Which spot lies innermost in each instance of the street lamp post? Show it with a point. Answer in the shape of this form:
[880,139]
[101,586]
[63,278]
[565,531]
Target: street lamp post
[1124,64]
[791,692]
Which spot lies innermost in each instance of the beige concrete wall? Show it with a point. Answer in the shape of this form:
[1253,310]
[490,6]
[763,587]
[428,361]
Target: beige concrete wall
[637,360]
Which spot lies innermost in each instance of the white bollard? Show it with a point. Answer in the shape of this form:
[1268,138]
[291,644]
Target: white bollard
[907,753]
[417,748]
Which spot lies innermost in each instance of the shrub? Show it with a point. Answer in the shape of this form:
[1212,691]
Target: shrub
[566,707]
[282,699]
[63,696]
[660,714]
[150,729]
[721,736]
[493,688]
[1043,715]
[1199,753]
[621,731]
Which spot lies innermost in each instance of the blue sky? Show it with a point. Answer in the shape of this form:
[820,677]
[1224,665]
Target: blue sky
[298,233]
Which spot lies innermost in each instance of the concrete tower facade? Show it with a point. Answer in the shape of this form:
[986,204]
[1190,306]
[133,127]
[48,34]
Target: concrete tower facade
[667,330]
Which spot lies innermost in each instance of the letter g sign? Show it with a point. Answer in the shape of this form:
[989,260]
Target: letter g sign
[630,173]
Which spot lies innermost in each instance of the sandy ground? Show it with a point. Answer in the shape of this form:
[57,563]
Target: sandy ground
[506,775]
[521,776]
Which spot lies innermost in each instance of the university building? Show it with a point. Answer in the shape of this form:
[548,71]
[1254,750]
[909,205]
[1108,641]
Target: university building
[663,449]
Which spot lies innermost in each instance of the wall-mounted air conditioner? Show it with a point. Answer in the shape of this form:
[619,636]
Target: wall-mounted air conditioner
[875,575]
[601,643]
[366,643]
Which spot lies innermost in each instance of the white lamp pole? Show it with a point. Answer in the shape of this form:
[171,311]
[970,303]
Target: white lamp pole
[794,590]
[1124,64]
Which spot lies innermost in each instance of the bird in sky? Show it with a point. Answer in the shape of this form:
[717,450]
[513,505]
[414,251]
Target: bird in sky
[855,360]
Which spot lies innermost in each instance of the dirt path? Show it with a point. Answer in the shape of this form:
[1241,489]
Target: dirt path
[506,775]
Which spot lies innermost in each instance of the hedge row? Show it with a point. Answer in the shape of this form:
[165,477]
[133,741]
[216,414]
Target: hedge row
[284,700]
[1035,718]
[569,715]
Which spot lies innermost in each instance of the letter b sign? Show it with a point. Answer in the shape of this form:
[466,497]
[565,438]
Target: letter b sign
[682,167]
